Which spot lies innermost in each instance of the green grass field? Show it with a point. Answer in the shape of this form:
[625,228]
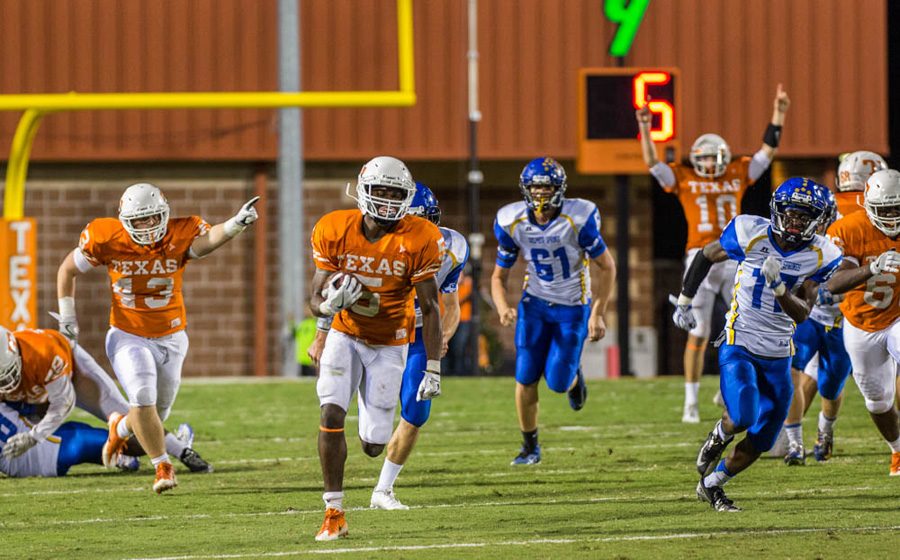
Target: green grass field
[617,481]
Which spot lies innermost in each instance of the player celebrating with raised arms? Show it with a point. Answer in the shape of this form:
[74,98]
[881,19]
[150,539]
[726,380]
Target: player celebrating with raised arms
[780,266]
[145,254]
[557,237]
[369,261]
[710,191]
[871,241]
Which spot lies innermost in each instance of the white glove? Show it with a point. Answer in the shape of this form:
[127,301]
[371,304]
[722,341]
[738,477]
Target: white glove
[430,387]
[339,298]
[684,314]
[68,325]
[245,216]
[771,270]
[889,261]
[18,444]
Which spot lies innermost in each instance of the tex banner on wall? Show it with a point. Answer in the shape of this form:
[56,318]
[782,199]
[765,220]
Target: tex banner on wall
[18,273]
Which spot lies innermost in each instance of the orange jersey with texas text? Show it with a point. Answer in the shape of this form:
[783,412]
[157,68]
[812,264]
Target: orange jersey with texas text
[710,203]
[872,306]
[145,279]
[46,356]
[388,270]
[848,202]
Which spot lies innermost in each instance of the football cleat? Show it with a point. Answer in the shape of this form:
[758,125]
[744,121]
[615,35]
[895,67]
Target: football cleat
[127,463]
[824,446]
[691,414]
[194,462]
[711,452]
[578,393]
[895,464]
[114,443]
[385,499]
[165,478]
[528,456]
[796,455]
[715,497]
[334,527]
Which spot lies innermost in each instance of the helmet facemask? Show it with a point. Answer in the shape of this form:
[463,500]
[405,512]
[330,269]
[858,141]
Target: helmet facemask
[10,365]
[795,223]
[710,150]
[547,201]
[385,204]
[885,216]
[139,203]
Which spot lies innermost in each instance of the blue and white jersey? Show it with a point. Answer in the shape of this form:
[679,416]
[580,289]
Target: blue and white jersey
[557,253]
[754,319]
[456,253]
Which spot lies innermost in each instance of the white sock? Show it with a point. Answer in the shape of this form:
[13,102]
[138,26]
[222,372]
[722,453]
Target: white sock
[718,477]
[122,428]
[720,431]
[794,433]
[174,446]
[164,458]
[389,473]
[334,500]
[826,424]
[691,390]
[894,445]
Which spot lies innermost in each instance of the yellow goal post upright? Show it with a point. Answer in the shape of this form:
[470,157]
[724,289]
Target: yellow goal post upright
[18,273]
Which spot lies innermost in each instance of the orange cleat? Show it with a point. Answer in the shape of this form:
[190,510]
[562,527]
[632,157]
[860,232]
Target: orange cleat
[165,478]
[334,527]
[114,444]
[895,464]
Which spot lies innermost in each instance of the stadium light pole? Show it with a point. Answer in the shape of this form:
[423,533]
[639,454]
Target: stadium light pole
[290,184]
[475,179]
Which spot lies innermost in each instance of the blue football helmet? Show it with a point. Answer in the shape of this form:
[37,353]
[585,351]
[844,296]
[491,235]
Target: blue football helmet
[539,172]
[831,211]
[425,204]
[798,207]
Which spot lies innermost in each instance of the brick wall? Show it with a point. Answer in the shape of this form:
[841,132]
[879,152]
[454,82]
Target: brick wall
[219,290]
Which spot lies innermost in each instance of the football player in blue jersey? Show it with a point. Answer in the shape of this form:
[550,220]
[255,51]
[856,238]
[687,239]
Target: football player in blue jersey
[557,237]
[413,411]
[781,263]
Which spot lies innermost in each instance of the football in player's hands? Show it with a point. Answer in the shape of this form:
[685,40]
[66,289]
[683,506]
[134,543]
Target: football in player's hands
[341,291]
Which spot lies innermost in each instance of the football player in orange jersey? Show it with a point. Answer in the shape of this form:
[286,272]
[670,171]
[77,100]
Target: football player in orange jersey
[871,307]
[145,254]
[368,263]
[710,191]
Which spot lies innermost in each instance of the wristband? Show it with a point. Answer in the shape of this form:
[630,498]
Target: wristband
[779,288]
[324,323]
[433,366]
[772,135]
[684,300]
[67,306]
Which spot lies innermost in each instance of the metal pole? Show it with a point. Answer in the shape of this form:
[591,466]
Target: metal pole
[623,310]
[475,179]
[290,184]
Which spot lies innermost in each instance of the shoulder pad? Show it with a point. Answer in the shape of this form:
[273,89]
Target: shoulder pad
[510,213]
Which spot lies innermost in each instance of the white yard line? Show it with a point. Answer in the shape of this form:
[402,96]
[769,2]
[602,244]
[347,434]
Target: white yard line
[507,503]
[532,542]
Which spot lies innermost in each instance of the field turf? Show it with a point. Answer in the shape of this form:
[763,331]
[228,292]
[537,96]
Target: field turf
[617,481]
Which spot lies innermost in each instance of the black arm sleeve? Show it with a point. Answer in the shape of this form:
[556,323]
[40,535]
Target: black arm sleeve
[697,271]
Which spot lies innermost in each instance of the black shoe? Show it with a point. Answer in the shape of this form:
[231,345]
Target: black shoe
[711,452]
[715,497]
[578,393]
[194,462]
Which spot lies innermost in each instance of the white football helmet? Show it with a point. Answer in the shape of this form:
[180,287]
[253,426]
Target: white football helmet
[710,145]
[384,171]
[882,201]
[143,200]
[856,168]
[10,362]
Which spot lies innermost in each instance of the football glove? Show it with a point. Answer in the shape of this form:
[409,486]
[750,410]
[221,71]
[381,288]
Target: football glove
[771,270]
[340,297]
[430,387]
[889,261]
[68,325]
[684,314]
[244,217]
[825,297]
[18,444]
